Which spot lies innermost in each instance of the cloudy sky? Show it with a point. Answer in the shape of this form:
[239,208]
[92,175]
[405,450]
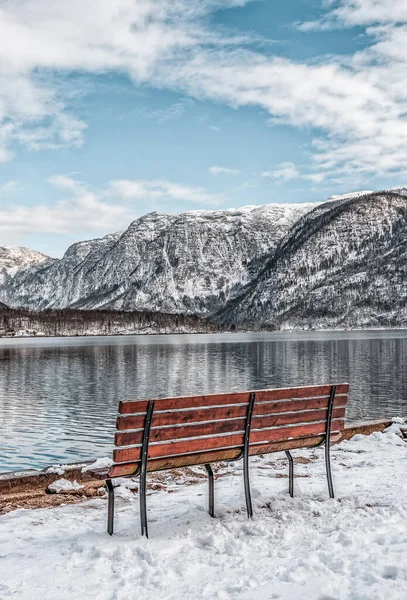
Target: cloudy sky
[112,109]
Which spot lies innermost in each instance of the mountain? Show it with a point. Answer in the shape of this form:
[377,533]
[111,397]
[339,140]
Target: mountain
[343,264]
[189,263]
[14,258]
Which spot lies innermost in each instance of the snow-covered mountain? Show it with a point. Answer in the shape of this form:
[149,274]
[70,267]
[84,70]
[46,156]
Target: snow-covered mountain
[14,258]
[343,264]
[191,263]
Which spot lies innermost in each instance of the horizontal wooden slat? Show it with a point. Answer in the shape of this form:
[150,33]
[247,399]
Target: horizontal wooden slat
[183,416]
[140,406]
[299,392]
[192,415]
[225,441]
[161,434]
[161,464]
[281,406]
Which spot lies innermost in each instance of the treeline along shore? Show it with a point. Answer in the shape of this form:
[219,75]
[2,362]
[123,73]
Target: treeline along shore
[15,322]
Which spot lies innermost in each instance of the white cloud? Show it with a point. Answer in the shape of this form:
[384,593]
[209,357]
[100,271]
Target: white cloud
[9,187]
[353,107]
[64,182]
[31,113]
[223,171]
[351,13]
[162,190]
[315,177]
[81,208]
[285,171]
[84,212]
[356,106]
[97,211]
[43,37]
[172,112]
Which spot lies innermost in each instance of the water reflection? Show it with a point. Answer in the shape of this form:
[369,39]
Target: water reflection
[58,398]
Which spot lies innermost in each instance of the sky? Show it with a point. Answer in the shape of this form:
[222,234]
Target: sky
[109,110]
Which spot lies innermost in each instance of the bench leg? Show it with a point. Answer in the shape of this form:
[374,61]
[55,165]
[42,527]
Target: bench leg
[290,473]
[328,470]
[110,506]
[328,441]
[143,468]
[246,452]
[248,495]
[211,490]
[143,505]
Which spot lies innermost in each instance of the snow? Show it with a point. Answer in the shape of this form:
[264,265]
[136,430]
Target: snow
[100,463]
[14,258]
[398,426]
[400,189]
[310,547]
[57,469]
[64,485]
[350,195]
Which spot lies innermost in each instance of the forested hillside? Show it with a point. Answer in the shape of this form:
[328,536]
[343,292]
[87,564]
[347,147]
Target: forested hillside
[66,322]
[344,264]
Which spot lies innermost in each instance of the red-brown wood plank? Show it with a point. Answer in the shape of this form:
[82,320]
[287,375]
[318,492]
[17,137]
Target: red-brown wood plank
[162,434]
[299,392]
[137,406]
[128,469]
[227,441]
[193,415]
[140,406]
[282,406]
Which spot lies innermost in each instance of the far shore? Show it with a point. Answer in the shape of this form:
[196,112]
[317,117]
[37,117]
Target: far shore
[224,332]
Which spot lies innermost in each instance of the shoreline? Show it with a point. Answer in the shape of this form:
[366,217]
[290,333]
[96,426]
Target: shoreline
[226,331]
[27,488]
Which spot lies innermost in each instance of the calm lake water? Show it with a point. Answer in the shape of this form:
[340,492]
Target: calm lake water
[58,397]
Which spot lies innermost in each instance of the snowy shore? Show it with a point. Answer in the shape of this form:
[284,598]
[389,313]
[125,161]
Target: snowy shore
[310,547]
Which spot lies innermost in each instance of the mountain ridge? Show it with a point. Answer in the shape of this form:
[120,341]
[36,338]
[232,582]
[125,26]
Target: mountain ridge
[187,263]
[341,265]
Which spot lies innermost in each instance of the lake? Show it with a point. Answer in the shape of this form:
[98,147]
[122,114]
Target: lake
[59,396]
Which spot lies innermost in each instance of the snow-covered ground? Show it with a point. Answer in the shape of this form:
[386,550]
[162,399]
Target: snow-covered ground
[310,547]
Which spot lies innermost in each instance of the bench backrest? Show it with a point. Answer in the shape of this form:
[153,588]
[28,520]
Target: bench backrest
[202,429]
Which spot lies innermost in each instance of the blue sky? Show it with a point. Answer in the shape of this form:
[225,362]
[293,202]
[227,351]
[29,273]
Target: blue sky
[181,105]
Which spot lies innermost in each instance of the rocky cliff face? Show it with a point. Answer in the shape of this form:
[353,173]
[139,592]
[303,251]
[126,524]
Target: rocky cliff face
[343,264]
[14,258]
[188,263]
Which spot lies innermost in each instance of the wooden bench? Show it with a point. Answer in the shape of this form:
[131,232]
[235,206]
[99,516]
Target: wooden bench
[155,435]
